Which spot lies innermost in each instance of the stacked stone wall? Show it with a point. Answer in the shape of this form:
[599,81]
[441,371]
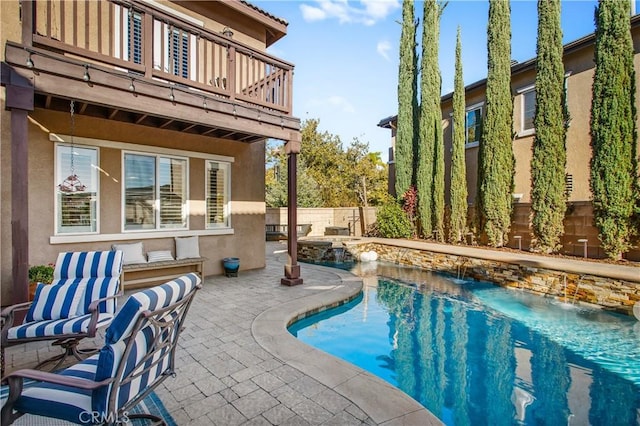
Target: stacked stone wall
[608,293]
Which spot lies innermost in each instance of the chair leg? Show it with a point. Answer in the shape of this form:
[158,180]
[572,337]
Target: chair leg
[70,347]
[157,421]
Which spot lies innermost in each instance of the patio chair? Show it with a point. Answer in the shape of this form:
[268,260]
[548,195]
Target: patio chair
[81,299]
[138,355]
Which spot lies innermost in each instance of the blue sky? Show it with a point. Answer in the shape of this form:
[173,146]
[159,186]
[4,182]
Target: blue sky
[345,54]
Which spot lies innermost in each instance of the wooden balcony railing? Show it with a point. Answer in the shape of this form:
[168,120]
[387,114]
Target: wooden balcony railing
[148,43]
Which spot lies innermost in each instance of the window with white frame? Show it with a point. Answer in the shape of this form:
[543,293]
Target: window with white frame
[473,124]
[155,192]
[217,194]
[76,189]
[528,109]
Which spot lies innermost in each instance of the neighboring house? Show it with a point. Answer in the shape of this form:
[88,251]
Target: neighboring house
[166,106]
[579,70]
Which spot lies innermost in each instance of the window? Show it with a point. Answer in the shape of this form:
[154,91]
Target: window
[76,198]
[179,52]
[473,124]
[217,187]
[155,192]
[528,109]
[135,35]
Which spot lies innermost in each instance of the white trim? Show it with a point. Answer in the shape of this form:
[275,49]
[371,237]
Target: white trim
[123,202]
[125,146]
[523,92]
[480,106]
[471,145]
[92,238]
[524,133]
[526,88]
[174,12]
[56,203]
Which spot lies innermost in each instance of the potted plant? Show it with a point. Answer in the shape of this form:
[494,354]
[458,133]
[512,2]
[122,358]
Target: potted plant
[39,274]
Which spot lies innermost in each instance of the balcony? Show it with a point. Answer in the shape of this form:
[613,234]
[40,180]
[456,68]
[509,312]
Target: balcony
[130,62]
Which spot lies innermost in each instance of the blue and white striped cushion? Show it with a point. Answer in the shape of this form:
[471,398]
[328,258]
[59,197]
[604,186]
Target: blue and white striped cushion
[79,324]
[98,288]
[108,363]
[55,301]
[88,264]
[151,299]
[62,402]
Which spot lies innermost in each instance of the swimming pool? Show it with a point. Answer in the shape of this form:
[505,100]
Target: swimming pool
[474,353]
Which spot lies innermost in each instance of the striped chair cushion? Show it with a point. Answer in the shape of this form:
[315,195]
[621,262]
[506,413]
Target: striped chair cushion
[110,358]
[88,264]
[98,288]
[53,328]
[55,301]
[62,402]
[151,299]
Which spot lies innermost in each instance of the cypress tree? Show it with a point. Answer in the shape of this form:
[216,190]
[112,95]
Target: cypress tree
[407,102]
[548,192]
[495,156]
[430,166]
[458,195]
[614,167]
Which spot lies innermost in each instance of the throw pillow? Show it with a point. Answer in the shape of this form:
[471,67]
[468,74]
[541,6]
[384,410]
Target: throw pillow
[187,248]
[159,256]
[131,253]
[55,301]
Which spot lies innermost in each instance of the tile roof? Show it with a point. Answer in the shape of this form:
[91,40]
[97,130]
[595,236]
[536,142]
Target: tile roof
[264,12]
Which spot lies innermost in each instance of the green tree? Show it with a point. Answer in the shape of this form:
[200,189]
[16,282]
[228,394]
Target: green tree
[345,178]
[430,167]
[276,180]
[548,192]
[495,156]
[407,102]
[614,138]
[458,216]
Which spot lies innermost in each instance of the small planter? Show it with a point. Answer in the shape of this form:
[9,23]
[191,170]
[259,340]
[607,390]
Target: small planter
[231,266]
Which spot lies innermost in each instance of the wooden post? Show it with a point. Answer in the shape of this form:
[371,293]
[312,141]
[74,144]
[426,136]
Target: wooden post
[19,100]
[292,269]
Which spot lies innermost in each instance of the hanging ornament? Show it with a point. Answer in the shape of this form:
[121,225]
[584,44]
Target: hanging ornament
[72,183]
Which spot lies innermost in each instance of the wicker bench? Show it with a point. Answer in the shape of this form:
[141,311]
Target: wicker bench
[146,274]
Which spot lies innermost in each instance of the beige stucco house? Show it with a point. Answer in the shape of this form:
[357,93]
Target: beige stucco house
[137,121]
[579,70]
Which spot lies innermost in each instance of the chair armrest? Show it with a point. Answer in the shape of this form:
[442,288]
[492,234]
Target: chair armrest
[7,317]
[44,376]
[93,310]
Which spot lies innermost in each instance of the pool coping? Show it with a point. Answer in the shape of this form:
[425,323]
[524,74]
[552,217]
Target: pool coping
[383,403]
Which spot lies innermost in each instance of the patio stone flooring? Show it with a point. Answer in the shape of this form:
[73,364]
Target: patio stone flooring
[237,364]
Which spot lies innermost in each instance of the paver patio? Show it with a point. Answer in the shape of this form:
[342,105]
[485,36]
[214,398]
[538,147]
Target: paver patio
[237,364]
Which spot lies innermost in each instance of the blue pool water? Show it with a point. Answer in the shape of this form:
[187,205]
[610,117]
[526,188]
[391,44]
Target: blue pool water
[476,354]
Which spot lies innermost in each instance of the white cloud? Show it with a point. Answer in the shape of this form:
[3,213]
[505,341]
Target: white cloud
[310,13]
[335,102]
[342,103]
[367,12]
[383,49]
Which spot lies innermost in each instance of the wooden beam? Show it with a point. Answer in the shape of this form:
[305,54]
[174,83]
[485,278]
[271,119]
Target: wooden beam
[141,118]
[83,107]
[191,126]
[113,113]
[166,123]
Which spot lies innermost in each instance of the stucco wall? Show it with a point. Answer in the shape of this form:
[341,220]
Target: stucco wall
[320,218]
[246,240]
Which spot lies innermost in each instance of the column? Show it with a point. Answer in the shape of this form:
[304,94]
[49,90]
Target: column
[292,269]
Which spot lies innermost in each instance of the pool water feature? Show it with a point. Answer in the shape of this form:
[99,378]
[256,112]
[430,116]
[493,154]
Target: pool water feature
[474,353]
